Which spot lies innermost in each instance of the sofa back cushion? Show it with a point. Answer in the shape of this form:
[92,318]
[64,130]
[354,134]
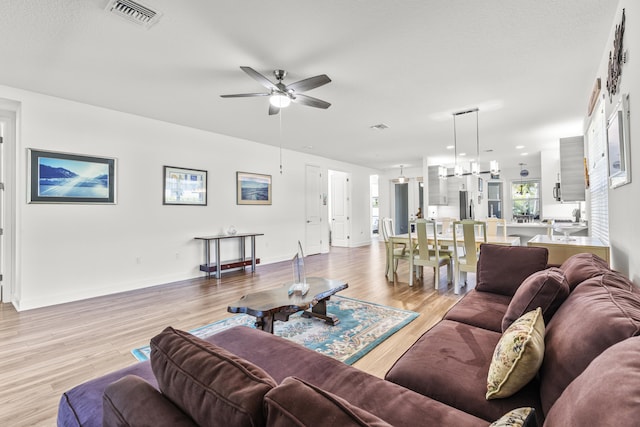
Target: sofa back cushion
[581,267]
[501,269]
[213,386]
[599,313]
[546,289]
[298,403]
[606,393]
[132,401]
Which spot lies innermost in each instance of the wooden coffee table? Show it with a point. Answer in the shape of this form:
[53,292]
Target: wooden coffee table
[277,304]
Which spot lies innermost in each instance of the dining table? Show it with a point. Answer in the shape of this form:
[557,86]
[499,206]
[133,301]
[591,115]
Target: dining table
[445,239]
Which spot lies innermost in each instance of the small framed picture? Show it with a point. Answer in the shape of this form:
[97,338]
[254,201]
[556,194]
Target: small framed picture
[182,186]
[71,178]
[253,188]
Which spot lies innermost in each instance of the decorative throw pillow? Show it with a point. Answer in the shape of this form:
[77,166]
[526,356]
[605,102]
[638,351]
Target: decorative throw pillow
[546,289]
[295,402]
[517,356]
[521,417]
[208,382]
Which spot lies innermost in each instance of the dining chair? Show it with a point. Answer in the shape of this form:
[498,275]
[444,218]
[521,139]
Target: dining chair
[428,252]
[492,226]
[394,251]
[473,233]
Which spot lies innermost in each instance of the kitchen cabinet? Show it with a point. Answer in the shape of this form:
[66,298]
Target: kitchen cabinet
[437,188]
[494,199]
[572,184]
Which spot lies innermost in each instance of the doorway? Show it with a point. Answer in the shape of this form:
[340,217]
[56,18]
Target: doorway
[401,199]
[7,201]
[339,197]
[313,210]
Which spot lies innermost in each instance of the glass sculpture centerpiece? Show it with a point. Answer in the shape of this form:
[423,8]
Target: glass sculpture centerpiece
[299,286]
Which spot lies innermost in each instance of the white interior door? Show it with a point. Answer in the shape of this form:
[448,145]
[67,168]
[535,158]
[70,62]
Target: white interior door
[313,211]
[340,222]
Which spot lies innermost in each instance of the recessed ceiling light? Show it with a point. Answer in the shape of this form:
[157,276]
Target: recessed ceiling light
[524,154]
[308,147]
[450,147]
[462,154]
[519,147]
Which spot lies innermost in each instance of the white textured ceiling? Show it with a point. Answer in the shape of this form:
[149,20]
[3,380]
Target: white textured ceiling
[528,65]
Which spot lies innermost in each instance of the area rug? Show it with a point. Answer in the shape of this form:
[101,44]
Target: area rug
[363,326]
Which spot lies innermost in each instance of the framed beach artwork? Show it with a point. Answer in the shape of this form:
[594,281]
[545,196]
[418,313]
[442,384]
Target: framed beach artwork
[618,145]
[71,178]
[253,188]
[184,186]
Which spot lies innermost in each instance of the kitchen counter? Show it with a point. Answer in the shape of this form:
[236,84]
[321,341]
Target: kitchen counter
[561,248]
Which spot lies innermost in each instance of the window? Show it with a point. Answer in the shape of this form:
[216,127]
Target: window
[525,196]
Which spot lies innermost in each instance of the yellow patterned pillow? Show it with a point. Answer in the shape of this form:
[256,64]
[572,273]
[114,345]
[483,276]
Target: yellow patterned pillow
[517,356]
[521,417]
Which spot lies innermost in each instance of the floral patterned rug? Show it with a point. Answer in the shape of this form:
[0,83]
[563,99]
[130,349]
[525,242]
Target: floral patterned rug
[363,326]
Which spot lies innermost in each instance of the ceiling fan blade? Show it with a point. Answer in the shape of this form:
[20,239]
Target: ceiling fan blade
[310,83]
[259,78]
[273,109]
[310,101]
[244,95]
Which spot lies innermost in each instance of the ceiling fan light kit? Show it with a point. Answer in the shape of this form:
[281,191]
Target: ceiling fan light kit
[281,95]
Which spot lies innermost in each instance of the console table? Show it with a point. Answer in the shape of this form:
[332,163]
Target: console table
[219,265]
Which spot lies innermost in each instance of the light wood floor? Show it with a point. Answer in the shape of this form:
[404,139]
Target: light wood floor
[46,351]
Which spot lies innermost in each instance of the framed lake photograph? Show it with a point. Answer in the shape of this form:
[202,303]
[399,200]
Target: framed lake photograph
[253,188]
[71,178]
[184,186]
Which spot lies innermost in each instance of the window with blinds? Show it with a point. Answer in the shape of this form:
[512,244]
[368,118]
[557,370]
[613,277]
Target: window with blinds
[598,173]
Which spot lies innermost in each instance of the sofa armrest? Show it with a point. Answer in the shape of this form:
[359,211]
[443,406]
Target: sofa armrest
[131,401]
[501,269]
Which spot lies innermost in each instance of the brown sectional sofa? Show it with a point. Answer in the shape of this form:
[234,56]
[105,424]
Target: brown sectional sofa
[590,373]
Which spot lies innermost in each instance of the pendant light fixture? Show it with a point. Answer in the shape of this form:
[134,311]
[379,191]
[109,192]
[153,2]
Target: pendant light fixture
[457,169]
[402,179]
[474,166]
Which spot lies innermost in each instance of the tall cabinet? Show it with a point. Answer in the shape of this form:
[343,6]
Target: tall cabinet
[572,177]
[494,199]
[437,188]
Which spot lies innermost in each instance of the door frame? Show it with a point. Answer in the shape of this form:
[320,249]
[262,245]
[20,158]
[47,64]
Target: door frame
[9,117]
[346,201]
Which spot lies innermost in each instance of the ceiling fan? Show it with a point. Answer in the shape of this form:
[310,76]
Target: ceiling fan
[282,95]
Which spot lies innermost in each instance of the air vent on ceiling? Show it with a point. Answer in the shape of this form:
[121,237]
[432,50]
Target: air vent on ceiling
[134,12]
[380,126]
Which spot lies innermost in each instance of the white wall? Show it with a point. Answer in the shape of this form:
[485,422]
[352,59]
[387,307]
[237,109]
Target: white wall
[624,203]
[71,252]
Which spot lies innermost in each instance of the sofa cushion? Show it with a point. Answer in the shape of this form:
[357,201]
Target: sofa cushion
[131,401]
[599,313]
[521,417]
[481,309]
[372,394]
[517,356]
[81,406]
[606,393]
[500,277]
[208,382]
[295,402]
[546,289]
[450,363]
[580,267]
